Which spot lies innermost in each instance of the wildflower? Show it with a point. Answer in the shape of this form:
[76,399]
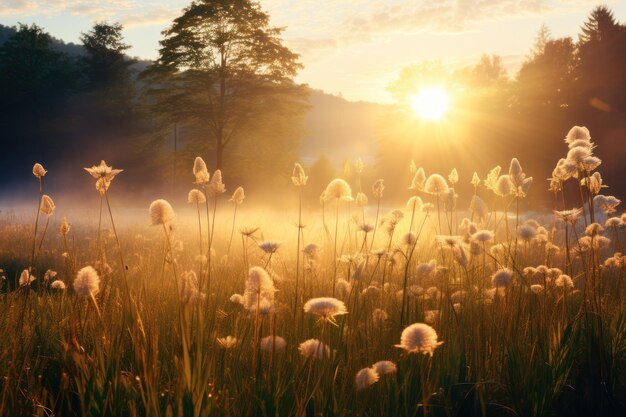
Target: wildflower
[26,278]
[536,288]
[190,292]
[436,185]
[196,196]
[516,174]
[343,287]
[227,342]
[269,246]
[594,229]
[103,174]
[314,349]
[338,189]
[606,203]
[431,316]
[273,343]
[87,282]
[419,338]
[577,155]
[238,196]
[216,186]
[298,176]
[483,236]
[47,205]
[200,171]
[409,238]
[564,281]
[478,207]
[475,180]
[504,186]
[38,171]
[378,188]
[492,178]
[366,227]
[453,178]
[64,228]
[327,308]
[236,299]
[311,250]
[57,285]
[379,316]
[161,212]
[361,200]
[412,167]
[577,133]
[613,222]
[449,199]
[365,377]
[570,216]
[414,203]
[526,232]
[359,165]
[418,181]
[385,367]
[593,183]
[248,231]
[502,278]
[425,269]
[259,288]
[50,274]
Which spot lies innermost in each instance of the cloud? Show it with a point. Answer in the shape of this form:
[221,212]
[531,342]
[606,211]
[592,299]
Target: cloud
[157,16]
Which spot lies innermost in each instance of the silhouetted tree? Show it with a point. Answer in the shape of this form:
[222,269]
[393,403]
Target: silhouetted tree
[106,64]
[601,65]
[223,68]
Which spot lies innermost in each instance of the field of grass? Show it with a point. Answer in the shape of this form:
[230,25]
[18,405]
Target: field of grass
[519,316]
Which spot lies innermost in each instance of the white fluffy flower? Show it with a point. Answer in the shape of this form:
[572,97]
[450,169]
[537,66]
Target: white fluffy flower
[365,377]
[419,338]
[87,282]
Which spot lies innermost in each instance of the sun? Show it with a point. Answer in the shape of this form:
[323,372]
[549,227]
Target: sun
[430,103]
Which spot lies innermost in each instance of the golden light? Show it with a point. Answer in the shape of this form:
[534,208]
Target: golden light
[430,103]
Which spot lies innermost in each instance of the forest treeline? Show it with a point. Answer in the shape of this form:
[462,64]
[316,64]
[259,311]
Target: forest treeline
[231,97]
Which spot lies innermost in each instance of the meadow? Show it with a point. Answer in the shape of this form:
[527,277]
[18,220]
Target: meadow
[356,308]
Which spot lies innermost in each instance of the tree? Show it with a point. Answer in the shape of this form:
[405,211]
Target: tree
[601,67]
[106,63]
[223,68]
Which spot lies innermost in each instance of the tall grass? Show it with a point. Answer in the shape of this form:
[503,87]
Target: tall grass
[533,323]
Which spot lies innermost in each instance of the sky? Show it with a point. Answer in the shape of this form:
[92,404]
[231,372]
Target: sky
[352,48]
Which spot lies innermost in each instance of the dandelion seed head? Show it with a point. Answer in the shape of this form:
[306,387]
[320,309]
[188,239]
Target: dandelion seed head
[273,343]
[87,282]
[196,197]
[26,278]
[64,227]
[298,177]
[365,377]
[360,200]
[378,188]
[314,349]
[200,171]
[38,171]
[436,185]
[161,212]
[47,205]
[237,196]
[483,236]
[57,285]
[419,338]
[338,189]
[385,367]
[578,133]
[325,307]
[216,186]
[502,278]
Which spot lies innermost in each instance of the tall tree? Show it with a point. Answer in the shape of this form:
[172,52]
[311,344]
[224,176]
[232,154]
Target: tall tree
[222,67]
[105,59]
[601,67]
